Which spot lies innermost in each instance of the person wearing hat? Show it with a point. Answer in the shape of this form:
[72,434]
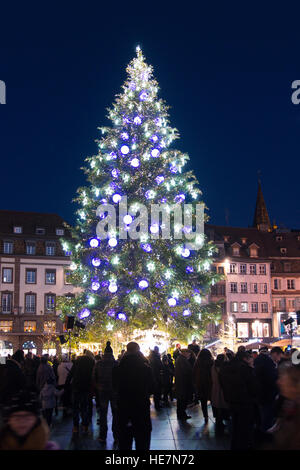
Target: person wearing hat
[24,428]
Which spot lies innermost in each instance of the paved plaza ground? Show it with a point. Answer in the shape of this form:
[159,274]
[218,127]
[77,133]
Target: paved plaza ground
[167,432]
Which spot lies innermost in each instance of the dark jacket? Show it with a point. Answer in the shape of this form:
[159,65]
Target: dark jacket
[194,348]
[183,379]
[202,377]
[12,380]
[81,374]
[133,383]
[102,373]
[156,367]
[267,374]
[238,383]
[45,375]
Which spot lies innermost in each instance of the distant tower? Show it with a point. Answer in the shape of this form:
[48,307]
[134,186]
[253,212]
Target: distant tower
[261,217]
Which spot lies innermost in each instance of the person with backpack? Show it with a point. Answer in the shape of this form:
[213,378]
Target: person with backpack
[46,385]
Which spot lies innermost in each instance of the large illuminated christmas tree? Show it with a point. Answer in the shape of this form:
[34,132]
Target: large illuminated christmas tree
[130,284]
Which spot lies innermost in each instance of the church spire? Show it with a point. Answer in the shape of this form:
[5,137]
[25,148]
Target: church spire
[261,217]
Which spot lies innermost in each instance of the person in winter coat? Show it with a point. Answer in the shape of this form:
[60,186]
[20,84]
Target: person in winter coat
[46,385]
[12,379]
[183,383]
[218,402]
[133,382]
[177,351]
[24,429]
[239,386]
[30,372]
[80,378]
[202,379]
[62,373]
[167,379]
[194,347]
[102,377]
[267,374]
[157,370]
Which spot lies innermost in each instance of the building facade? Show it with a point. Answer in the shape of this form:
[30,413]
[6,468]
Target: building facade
[261,268]
[33,272]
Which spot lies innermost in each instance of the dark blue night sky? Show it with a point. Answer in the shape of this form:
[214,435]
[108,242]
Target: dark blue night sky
[230,99]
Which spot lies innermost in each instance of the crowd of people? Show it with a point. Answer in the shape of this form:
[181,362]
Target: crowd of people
[255,397]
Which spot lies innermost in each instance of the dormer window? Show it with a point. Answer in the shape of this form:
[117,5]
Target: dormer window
[244,241]
[283,251]
[18,229]
[60,232]
[40,231]
[253,250]
[235,249]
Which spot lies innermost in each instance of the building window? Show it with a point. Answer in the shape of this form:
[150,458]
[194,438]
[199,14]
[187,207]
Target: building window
[254,307]
[254,288]
[30,303]
[50,276]
[221,269]
[260,330]
[50,303]
[253,252]
[264,288]
[262,269]
[242,330]
[291,283]
[236,251]
[266,330]
[232,268]
[244,240]
[244,307]
[67,274]
[292,304]
[30,248]
[244,288]
[29,326]
[252,268]
[279,238]
[40,231]
[18,229]
[243,269]
[8,248]
[30,276]
[264,307]
[50,248]
[60,231]
[50,326]
[233,287]
[233,307]
[283,251]
[277,284]
[7,275]
[6,326]
[6,302]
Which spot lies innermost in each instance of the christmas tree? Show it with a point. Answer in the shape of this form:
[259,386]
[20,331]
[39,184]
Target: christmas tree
[132,278]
